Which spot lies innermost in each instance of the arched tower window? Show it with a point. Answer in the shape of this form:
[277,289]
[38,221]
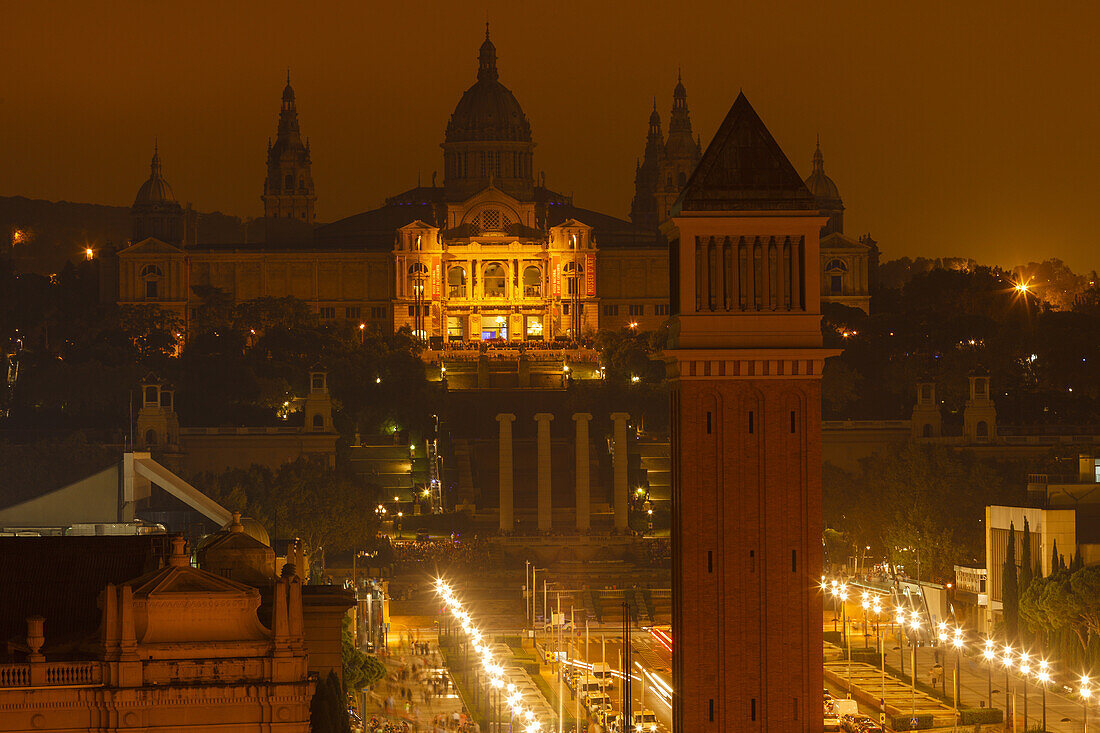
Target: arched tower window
[927,431]
[494,281]
[150,437]
[152,274]
[532,282]
[456,283]
[983,429]
[318,423]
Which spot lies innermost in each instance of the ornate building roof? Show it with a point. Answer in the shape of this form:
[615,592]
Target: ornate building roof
[488,110]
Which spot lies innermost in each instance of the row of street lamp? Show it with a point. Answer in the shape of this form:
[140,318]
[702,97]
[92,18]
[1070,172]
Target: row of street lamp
[1026,665]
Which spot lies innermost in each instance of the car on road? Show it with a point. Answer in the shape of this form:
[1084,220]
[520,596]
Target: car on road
[644,720]
[611,721]
[598,703]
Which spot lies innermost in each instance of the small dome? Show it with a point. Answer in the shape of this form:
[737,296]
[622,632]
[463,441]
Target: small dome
[155,190]
[250,527]
[488,110]
[821,186]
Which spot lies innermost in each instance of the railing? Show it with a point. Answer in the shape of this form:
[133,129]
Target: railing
[51,674]
[15,675]
[74,673]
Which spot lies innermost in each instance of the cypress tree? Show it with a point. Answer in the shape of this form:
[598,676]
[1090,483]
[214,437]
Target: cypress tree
[1025,560]
[1054,558]
[1078,561]
[1010,589]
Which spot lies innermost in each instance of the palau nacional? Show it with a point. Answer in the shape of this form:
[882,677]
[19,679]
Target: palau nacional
[726,246]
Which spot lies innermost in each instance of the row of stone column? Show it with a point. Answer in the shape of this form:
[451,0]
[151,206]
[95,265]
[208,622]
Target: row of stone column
[583,487]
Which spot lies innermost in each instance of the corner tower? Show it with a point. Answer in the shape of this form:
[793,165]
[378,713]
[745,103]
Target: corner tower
[680,154]
[643,208]
[488,138]
[745,359]
[288,188]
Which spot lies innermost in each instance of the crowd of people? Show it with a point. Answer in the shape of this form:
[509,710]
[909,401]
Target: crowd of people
[460,555]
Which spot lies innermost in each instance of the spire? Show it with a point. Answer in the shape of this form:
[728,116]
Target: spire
[288,113]
[819,159]
[680,121]
[154,165]
[487,59]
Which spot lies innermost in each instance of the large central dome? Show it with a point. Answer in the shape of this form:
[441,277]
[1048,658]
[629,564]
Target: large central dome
[488,111]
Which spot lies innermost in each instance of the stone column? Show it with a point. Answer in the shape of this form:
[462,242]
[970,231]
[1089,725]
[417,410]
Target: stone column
[507,514]
[584,498]
[619,489]
[545,508]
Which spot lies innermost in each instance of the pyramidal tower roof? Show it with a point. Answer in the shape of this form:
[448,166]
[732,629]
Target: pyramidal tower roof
[744,169]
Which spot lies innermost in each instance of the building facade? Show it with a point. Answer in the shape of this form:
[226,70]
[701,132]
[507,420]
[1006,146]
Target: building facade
[491,253]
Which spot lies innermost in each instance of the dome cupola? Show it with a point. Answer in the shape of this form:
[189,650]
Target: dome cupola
[488,138]
[155,212]
[155,190]
[826,194]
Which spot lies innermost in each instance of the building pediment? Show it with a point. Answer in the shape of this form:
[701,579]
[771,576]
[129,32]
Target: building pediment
[151,246]
[838,241]
[490,210]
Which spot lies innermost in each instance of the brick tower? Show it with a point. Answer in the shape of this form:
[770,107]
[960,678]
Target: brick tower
[745,357]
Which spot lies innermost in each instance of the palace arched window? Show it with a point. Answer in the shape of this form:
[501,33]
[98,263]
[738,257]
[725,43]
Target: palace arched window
[682,178]
[152,274]
[418,274]
[574,277]
[456,283]
[289,183]
[835,270]
[532,282]
[494,280]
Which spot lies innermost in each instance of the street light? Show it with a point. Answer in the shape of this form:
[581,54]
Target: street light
[989,654]
[1025,672]
[914,624]
[1043,676]
[1085,692]
[1007,659]
[956,642]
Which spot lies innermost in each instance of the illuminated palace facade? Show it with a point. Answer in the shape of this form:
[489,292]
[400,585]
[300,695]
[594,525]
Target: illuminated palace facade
[491,253]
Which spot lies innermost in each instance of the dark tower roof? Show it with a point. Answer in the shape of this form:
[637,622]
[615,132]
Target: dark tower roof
[289,137]
[155,190]
[488,110]
[743,168]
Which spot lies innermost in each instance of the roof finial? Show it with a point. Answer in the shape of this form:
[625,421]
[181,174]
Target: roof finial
[679,75]
[486,25]
[154,165]
[288,76]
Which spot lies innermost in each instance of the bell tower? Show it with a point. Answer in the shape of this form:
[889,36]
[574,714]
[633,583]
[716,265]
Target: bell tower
[745,360]
[288,188]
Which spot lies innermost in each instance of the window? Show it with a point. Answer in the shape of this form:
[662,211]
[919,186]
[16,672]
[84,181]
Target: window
[150,437]
[318,423]
[152,275]
[574,277]
[927,431]
[660,309]
[926,391]
[427,310]
[565,308]
[318,381]
[836,284]
[983,429]
[611,310]
[532,282]
[490,220]
[378,311]
[352,312]
[682,179]
[328,312]
[836,265]
[454,328]
[534,328]
[637,310]
[494,281]
[979,387]
[289,183]
[418,273]
[456,283]
[150,395]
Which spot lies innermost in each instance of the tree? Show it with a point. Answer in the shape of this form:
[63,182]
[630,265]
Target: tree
[328,711]
[1010,591]
[1025,560]
[1055,558]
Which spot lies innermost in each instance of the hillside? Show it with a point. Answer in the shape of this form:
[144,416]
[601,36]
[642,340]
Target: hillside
[58,231]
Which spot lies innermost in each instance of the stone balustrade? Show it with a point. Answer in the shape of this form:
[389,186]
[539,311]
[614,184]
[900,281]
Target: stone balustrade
[51,674]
